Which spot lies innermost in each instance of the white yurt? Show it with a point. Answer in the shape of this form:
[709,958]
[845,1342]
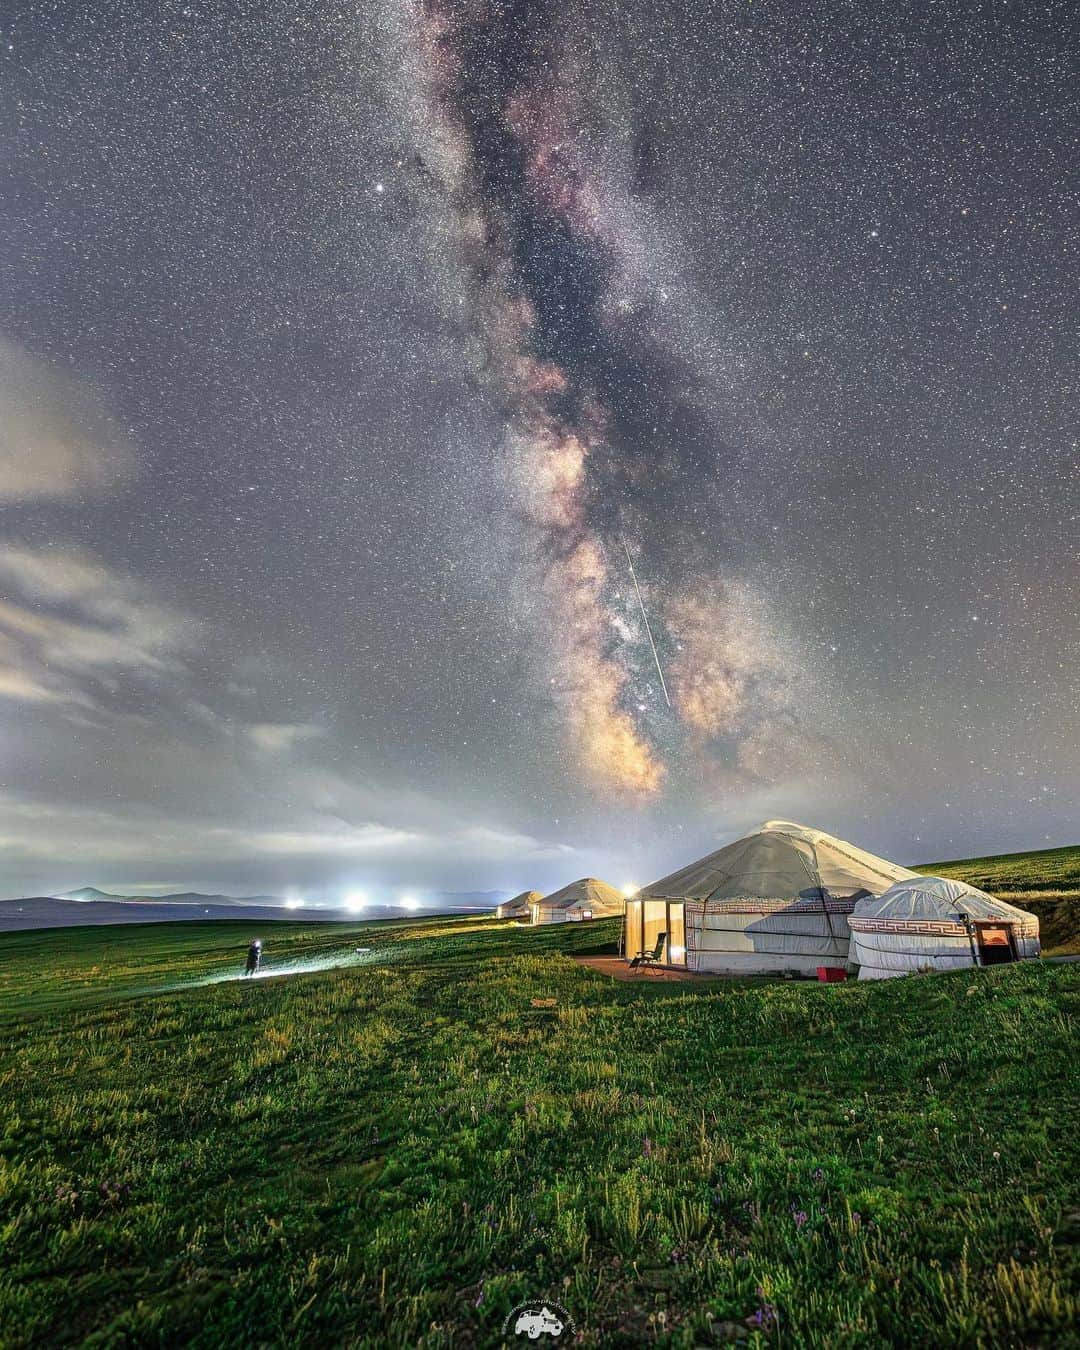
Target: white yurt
[934,923]
[584,899]
[775,901]
[520,907]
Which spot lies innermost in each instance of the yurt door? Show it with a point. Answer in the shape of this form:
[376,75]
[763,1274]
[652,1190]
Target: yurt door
[646,920]
[676,934]
[633,941]
[996,945]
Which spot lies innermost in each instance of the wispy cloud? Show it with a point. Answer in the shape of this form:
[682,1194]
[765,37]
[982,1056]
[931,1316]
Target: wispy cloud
[56,438]
[73,622]
[277,738]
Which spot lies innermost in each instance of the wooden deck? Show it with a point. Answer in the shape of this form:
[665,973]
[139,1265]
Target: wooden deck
[619,969]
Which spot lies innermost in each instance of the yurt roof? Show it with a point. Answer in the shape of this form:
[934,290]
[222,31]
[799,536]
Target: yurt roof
[935,898]
[780,860]
[587,891]
[525,898]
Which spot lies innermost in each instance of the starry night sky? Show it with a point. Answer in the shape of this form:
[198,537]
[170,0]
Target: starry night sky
[349,355]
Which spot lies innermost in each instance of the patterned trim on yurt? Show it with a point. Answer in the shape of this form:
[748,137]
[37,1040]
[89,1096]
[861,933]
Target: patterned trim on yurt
[806,905]
[1025,928]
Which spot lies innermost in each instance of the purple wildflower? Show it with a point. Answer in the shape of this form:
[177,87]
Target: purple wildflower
[646,1147]
[764,1318]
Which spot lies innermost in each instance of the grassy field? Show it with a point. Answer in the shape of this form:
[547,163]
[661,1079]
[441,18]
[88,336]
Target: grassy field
[1046,882]
[395,1148]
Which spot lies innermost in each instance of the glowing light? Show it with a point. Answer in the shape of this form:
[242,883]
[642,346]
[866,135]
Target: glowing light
[676,953]
[294,902]
[630,890]
[410,902]
[355,901]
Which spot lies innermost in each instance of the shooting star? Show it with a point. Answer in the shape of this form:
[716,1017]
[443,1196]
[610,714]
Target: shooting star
[648,629]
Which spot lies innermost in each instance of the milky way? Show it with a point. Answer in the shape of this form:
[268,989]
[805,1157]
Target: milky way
[603,444]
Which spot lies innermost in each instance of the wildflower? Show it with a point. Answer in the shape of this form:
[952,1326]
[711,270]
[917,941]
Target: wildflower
[646,1147]
[764,1318]
[480,1296]
[997,1156]
[800,1216]
[818,1174]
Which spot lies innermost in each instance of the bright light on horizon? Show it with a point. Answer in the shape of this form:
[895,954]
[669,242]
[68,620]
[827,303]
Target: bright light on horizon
[355,901]
[294,902]
[630,890]
[410,902]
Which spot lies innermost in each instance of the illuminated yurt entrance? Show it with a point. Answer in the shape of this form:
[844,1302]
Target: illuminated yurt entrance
[935,923]
[649,921]
[773,902]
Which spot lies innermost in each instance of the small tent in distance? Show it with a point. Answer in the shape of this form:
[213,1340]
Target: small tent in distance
[587,898]
[520,907]
[935,923]
[776,901]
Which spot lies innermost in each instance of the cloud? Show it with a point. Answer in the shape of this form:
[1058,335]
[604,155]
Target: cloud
[20,685]
[487,844]
[275,738]
[53,845]
[56,438]
[74,620]
[357,841]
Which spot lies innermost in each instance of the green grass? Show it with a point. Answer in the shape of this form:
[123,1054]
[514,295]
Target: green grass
[397,1151]
[1046,882]
[1048,869]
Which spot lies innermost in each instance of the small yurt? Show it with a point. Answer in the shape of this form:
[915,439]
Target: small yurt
[933,923]
[520,907]
[584,899]
[776,901]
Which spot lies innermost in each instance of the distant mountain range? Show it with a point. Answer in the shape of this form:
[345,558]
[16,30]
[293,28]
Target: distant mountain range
[91,893]
[88,905]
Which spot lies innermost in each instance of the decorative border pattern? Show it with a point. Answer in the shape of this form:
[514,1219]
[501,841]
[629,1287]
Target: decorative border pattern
[777,906]
[1028,928]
